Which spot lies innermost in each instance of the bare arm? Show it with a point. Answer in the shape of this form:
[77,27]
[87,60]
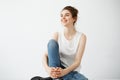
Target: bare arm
[78,57]
[45,62]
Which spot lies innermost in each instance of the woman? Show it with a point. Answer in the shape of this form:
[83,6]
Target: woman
[65,50]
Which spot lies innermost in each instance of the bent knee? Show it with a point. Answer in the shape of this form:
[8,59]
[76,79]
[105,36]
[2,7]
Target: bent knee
[52,44]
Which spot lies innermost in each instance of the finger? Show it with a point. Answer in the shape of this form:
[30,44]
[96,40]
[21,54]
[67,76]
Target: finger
[58,73]
[53,69]
[53,76]
[57,76]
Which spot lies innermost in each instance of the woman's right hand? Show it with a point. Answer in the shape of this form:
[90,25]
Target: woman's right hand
[54,72]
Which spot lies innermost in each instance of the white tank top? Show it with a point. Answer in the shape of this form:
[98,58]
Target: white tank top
[68,49]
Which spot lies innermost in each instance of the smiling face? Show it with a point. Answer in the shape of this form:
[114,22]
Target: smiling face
[66,18]
[69,16]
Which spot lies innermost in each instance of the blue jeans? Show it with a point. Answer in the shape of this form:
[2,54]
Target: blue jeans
[54,61]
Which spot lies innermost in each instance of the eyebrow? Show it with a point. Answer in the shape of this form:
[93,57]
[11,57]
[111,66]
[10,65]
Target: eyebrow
[65,13]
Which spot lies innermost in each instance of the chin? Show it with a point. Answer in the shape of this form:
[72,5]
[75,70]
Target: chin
[64,24]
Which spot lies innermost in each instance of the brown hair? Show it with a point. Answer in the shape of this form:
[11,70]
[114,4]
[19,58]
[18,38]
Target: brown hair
[73,11]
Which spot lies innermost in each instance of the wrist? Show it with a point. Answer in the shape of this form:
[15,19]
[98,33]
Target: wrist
[65,71]
[48,69]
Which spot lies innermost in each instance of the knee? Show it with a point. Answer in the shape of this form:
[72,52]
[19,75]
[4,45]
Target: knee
[52,44]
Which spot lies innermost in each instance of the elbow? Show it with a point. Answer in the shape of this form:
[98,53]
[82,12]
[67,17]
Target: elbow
[77,64]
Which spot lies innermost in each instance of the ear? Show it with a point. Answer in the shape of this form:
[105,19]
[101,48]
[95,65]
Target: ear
[75,19]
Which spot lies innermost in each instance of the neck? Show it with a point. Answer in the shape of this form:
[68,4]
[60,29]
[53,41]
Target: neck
[69,31]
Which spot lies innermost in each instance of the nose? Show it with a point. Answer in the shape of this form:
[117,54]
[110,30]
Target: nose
[63,17]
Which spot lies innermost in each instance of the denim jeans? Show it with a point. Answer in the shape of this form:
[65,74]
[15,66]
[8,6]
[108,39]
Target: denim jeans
[54,61]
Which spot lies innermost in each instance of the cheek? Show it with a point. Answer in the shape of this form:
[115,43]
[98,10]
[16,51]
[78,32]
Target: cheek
[61,19]
[71,20]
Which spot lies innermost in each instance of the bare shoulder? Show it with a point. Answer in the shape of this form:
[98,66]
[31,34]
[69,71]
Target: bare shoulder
[55,36]
[82,42]
[83,36]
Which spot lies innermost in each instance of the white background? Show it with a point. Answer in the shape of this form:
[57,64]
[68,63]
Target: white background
[25,26]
